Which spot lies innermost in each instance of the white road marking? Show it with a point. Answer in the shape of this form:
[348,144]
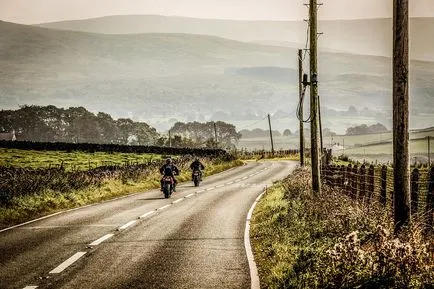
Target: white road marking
[130,223]
[201,191]
[67,226]
[245,178]
[164,207]
[146,214]
[189,196]
[251,175]
[230,183]
[100,240]
[177,201]
[210,189]
[30,287]
[220,186]
[254,277]
[67,263]
[237,180]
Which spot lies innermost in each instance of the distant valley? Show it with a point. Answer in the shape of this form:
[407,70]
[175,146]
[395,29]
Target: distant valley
[163,77]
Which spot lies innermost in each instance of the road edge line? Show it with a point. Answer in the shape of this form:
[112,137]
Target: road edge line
[254,276]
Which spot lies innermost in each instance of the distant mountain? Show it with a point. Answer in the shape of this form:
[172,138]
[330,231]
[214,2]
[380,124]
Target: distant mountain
[361,36]
[161,78]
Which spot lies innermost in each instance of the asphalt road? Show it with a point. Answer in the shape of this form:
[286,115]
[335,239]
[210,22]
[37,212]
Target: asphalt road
[193,240]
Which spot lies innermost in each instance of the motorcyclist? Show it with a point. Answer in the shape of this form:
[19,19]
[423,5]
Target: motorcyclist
[169,169]
[196,165]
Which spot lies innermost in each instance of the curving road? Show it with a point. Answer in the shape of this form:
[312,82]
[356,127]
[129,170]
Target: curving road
[193,240]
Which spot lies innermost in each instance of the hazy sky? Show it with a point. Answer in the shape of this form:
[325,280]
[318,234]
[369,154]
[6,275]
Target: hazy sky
[37,11]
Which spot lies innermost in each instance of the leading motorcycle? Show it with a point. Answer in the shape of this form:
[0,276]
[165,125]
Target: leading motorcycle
[168,184]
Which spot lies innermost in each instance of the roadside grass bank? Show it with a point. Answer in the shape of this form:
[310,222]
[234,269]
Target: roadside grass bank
[61,195]
[330,241]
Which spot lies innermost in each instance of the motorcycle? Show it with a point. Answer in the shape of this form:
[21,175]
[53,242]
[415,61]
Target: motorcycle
[168,184]
[196,178]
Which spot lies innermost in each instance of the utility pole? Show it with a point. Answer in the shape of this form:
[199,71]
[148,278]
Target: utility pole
[170,140]
[400,114]
[313,8]
[300,94]
[271,135]
[429,151]
[215,134]
[343,146]
[320,128]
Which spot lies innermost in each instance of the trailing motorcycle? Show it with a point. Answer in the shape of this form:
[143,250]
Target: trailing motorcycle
[196,178]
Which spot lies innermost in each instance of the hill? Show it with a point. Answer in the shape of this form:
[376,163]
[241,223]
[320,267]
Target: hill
[160,78]
[361,36]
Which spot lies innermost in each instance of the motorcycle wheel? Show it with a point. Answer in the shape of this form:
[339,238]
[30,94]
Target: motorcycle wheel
[166,191]
[196,181]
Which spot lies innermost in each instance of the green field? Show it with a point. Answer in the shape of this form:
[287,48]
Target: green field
[70,160]
[372,147]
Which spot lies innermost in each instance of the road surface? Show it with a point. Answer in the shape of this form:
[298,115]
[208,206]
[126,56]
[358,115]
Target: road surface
[193,240]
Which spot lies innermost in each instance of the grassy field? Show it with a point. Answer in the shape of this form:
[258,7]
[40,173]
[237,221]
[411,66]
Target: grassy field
[27,194]
[71,161]
[372,147]
[330,241]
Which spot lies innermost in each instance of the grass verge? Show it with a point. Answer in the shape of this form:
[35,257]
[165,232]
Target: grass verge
[330,241]
[29,207]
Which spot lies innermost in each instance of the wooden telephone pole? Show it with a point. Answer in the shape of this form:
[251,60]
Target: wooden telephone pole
[300,94]
[313,8]
[400,114]
[271,135]
[215,135]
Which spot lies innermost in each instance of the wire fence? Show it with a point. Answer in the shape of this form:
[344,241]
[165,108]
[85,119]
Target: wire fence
[16,182]
[371,184]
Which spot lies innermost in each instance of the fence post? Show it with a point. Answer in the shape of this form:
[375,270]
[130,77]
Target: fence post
[414,191]
[343,174]
[354,185]
[383,190]
[362,180]
[371,180]
[349,179]
[430,198]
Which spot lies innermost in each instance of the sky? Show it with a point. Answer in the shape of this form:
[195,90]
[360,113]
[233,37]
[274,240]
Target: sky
[40,11]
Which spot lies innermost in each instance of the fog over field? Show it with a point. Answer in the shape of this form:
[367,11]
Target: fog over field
[162,69]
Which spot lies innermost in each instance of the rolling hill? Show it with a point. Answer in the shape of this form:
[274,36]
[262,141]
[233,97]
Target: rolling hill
[159,77]
[361,36]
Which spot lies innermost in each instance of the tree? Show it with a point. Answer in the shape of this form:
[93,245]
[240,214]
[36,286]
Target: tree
[201,133]
[287,132]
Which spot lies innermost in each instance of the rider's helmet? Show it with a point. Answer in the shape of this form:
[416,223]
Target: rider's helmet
[168,161]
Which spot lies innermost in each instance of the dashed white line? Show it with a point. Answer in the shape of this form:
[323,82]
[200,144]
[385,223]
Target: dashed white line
[30,287]
[130,223]
[219,186]
[67,263]
[177,201]
[164,207]
[201,191]
[251,175]
[100,240]
[245,178]
[210,189]
[189,196]
[230,183]
[146,214]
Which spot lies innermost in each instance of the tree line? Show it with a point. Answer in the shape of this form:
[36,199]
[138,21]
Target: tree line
[77,125]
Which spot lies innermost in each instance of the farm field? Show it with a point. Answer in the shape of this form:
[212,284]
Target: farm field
[70,160]
[372,147]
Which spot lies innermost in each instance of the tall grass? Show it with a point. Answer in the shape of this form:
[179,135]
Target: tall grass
[37,193]
[330,241]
